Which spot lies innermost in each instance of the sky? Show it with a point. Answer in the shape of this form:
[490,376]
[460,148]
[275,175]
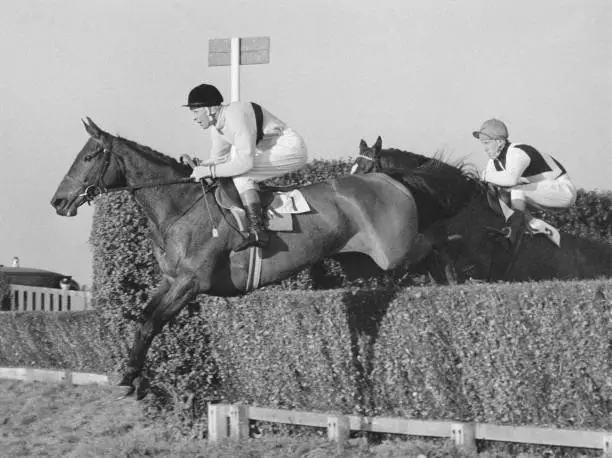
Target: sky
[422,74]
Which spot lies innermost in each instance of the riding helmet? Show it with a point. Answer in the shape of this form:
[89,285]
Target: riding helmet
[204,95]
[494,129]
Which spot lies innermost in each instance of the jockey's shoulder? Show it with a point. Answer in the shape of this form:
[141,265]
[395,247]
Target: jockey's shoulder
[239,106]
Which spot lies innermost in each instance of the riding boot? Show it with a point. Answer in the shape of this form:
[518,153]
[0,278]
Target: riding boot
[515,229]
[258,234]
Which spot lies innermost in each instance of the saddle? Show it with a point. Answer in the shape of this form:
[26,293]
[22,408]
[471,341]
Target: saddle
[279,204]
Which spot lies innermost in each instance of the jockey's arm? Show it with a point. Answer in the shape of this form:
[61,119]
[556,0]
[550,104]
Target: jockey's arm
[488,170]
[219,151]
[241,131]
[516,163]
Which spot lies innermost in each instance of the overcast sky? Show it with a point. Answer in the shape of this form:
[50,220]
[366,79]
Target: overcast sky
[422,74]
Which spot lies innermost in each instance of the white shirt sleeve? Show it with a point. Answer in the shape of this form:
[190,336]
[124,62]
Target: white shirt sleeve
[240,131]
[488,170]
[516,163]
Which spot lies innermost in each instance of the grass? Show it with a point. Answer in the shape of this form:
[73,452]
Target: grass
[55,420]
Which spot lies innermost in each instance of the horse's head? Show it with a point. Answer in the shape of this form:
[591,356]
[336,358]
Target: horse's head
[94,170]
[368,159]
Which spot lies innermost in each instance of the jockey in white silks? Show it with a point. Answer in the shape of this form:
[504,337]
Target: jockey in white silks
[249,144]
[533,180]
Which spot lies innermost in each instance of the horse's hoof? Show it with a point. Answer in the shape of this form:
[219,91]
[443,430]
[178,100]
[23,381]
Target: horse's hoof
[142,387]
[127,393]
[127,379]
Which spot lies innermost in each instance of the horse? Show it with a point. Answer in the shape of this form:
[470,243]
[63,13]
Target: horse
[475,249]
[193,235]
[411,169]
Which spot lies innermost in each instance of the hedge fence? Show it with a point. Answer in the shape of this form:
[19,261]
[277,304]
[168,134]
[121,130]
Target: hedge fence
[520,354]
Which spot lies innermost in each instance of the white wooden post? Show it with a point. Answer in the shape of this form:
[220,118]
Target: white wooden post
[217,422]
[338,429]
[235,52]
[239,422]
[235,69]
[607,446]
[464,435]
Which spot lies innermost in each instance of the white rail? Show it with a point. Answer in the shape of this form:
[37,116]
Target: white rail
[231,421]
[33,298]
[28,374]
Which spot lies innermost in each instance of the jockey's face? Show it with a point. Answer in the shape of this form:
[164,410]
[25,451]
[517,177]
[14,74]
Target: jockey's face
[205,116]
[492,147]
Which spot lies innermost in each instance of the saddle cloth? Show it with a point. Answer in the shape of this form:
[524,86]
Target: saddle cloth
[539,226]
[280,206]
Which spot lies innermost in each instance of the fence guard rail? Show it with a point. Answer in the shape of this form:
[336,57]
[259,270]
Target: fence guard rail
[232,421]
[33,298]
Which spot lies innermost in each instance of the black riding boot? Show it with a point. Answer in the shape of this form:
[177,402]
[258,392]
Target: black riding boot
[258,235]
[515,229]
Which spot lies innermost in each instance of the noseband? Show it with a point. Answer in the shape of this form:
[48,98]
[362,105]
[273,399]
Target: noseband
[98,187]
[376,161]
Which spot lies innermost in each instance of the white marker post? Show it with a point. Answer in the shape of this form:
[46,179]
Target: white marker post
[236,52]
[235,70]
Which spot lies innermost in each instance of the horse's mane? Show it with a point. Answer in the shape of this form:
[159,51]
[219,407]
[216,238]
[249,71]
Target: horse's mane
[156,155]
[441,188]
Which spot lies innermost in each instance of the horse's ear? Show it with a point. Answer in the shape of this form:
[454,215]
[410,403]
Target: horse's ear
[362,146]
[378,145]
[96,133]
[92,129]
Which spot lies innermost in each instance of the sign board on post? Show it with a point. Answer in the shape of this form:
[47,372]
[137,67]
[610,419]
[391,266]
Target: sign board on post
[236,52]
[254,50]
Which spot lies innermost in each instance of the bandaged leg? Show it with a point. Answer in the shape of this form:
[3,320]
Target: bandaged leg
[258,236]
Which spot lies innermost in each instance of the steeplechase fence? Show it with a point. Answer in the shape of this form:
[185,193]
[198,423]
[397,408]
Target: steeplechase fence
[232,421]
[33,298]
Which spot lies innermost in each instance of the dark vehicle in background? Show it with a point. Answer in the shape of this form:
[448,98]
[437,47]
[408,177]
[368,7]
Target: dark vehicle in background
[37,277]
[31,277]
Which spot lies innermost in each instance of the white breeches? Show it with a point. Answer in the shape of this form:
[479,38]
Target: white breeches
[543,195]
[546,194]
[275,157]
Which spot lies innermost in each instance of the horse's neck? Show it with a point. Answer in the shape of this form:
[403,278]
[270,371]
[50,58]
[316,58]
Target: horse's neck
[164,205]
[166,202]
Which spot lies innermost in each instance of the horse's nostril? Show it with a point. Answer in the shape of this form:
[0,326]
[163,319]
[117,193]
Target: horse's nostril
[57,203]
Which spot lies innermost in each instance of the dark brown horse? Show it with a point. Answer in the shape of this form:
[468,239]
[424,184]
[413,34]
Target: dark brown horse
[474,249]
[193,236]
[440,191]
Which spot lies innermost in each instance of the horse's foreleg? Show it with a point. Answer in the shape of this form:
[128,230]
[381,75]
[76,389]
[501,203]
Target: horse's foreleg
[170,297]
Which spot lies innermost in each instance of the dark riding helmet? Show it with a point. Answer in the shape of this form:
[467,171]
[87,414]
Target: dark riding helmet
[204,95]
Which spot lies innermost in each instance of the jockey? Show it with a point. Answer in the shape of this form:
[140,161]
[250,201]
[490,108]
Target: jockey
[533,180]
[250,145]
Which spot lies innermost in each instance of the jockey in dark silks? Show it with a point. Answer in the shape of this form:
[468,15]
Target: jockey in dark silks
[532,179]
[250,145]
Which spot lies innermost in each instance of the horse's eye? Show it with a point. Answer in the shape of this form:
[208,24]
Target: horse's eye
[90,156]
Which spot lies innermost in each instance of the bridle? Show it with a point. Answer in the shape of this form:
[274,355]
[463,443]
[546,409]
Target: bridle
[376,166]
[98,187]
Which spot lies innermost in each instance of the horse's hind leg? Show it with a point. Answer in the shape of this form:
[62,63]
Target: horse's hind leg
[171,296]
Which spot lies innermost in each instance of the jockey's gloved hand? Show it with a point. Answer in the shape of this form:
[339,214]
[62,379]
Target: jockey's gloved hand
[190,161]
[200,171]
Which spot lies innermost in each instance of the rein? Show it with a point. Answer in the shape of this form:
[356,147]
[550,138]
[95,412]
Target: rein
[99,187]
